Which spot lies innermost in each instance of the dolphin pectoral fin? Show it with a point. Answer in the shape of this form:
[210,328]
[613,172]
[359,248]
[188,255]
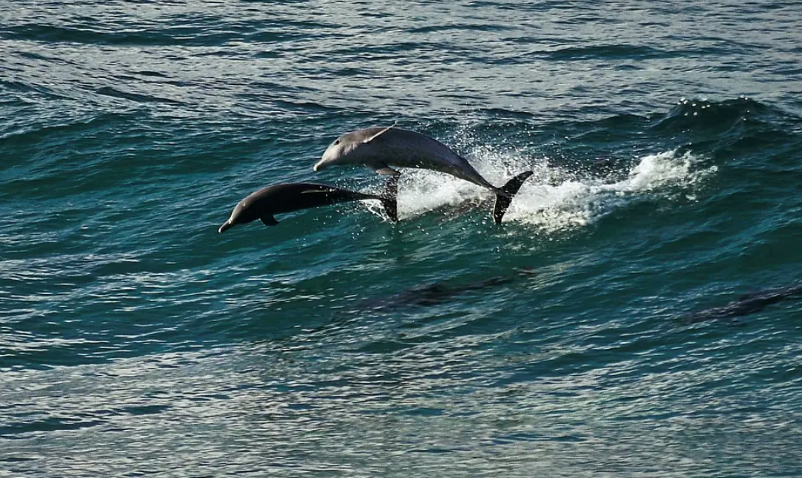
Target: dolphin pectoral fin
[269,220]
[368,140]
[382,168]
[387,171]
[509,191]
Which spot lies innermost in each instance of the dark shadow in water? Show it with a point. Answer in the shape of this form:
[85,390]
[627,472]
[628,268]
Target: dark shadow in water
[436,293]
[746,304]
[412,299]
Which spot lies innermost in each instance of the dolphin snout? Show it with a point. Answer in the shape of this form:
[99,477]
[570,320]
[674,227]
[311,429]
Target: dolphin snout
[320,165]
[226,226]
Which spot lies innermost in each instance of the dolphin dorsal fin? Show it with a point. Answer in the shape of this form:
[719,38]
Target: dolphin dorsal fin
[368,140]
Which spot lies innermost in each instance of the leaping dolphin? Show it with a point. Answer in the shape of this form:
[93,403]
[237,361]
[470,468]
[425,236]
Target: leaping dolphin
[379,148]
[288,197]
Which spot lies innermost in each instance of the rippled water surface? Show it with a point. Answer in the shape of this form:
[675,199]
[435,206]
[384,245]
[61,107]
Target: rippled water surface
[636,314]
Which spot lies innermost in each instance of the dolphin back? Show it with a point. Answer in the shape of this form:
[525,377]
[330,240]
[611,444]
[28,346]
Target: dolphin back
[309,195]
[410,149]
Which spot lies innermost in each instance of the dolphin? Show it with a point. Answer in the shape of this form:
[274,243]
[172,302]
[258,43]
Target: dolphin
[288,197]
[379,148]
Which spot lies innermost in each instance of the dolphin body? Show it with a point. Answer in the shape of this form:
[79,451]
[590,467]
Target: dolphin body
[289,197]
[379,148]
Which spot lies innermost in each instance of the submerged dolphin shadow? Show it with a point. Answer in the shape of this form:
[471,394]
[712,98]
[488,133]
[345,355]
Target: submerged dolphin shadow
[746,304]
[414,298]
[436,293]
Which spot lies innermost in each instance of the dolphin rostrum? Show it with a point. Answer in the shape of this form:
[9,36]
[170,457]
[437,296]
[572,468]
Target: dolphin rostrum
[288,197]
[380,148]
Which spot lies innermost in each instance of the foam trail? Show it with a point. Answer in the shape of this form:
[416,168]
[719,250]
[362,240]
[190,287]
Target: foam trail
[552,199]
[421,191]
[576,203]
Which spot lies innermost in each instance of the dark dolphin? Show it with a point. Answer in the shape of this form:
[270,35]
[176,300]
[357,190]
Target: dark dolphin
[289,197]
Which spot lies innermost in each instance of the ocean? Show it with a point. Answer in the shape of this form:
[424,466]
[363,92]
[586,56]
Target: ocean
[637,313]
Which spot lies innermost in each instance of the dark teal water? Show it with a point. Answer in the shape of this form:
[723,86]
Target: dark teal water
[605,329]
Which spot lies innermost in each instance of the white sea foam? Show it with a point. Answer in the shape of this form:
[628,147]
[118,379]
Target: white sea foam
[554,199]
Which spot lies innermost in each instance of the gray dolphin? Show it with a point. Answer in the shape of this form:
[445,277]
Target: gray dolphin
[288,197]
[380,148]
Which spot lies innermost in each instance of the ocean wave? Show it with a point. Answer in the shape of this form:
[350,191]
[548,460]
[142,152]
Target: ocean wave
[703,116]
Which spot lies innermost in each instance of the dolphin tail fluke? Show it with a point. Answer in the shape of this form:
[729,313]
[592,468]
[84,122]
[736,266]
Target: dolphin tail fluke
[389,198]
[509,191]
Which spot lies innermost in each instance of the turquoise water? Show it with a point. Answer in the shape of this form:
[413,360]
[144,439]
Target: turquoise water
[604,329]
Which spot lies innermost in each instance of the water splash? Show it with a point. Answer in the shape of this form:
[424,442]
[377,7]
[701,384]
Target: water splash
[576,203]
[554,199]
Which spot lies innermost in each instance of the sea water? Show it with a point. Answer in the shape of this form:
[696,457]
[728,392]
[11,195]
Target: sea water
[571,340]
